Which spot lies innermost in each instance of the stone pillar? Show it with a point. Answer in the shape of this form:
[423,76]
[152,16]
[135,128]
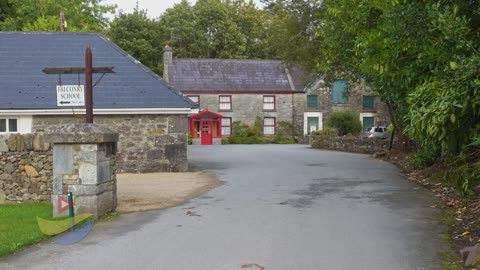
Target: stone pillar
[84,164]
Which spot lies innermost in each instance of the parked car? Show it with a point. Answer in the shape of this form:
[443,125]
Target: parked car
[376,132]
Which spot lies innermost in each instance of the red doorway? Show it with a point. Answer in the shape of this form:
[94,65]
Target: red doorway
[207,134]
[206,127]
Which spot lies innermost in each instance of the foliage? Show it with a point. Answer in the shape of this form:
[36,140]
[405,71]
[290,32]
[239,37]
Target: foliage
[346,122]
[138,35]
[189,139]
[216,29]
[244,134]
[327,132]
[43,15]
[426,156]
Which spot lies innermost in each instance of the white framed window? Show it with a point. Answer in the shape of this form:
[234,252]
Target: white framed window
[8,125]
[269,103]
[269,125]
[226,126]
[195,99]
[225,103]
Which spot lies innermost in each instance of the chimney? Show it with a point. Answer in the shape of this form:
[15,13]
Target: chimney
[167,61]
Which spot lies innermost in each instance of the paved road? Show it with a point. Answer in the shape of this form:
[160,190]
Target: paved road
[281,207]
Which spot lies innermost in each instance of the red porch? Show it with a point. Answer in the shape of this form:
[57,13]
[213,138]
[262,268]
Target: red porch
[205,127]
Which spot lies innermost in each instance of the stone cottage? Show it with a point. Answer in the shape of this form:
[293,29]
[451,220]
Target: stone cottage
[228,90]
[321,98]
[150,116]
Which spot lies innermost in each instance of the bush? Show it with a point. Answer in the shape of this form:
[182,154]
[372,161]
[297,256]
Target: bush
[329,132]
[189,138]
[425,157]
[244,134]
[346,122]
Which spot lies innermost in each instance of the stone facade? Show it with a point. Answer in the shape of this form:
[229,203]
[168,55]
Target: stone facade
[325,107]
[147,143]
[84,164]
[246,107]
[349,144]
[25,168]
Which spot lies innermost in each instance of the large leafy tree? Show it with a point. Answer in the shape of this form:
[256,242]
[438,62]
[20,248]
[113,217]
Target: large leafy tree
[43,15]
[140,36]
[217,29]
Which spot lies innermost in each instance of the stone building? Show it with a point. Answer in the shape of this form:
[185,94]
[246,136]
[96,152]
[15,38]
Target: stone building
[321,98]
[235,90]
[228,90]
[150,116]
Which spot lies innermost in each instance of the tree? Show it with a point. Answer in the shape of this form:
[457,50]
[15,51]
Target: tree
[140,36]
[43,15]
[217,29]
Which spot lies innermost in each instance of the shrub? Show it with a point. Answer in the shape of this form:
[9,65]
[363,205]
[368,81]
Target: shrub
[225,140]
[329,132]
[244,134]
[346,122]
[426,156]
[189,138]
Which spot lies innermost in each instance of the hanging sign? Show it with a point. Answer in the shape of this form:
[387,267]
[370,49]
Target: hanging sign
[70,95]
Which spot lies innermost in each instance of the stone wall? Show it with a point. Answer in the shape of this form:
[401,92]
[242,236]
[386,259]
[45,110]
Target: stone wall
[350,144]
[25,168]
[246,107]
[147,143]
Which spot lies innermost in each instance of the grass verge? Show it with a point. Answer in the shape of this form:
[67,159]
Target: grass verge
[18,225]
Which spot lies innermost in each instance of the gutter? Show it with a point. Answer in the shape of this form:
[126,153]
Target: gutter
[72,111]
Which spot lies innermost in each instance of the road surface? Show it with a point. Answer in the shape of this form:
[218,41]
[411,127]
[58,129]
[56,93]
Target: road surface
[281,207]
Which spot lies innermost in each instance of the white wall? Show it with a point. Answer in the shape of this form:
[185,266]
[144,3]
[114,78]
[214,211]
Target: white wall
[24,123]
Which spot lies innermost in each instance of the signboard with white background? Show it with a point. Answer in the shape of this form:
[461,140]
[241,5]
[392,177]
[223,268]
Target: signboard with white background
[70,95]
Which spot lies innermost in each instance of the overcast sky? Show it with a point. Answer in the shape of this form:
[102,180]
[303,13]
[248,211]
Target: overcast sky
[154,7]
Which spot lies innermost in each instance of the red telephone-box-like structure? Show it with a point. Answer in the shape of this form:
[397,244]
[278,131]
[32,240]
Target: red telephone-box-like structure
[206,126]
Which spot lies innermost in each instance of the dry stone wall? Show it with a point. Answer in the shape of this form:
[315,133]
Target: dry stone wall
[147,143]
[25,168]
[349,144]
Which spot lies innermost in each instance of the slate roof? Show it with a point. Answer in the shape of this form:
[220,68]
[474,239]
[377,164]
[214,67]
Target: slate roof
[233,75]
[23,85]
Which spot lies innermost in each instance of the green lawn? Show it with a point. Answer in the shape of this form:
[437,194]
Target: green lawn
[18,225]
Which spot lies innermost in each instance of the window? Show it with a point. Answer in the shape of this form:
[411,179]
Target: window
[368,102]
[269,125]
[368,121]
[312,102]
[195,99]
[269,103]
[225,103]
[8,125]
[340,91]
[226,126]
[312,124]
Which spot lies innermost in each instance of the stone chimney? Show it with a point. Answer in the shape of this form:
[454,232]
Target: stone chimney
[167,61]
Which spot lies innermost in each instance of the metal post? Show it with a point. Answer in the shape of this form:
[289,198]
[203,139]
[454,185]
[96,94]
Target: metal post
[89,86]
[71,213]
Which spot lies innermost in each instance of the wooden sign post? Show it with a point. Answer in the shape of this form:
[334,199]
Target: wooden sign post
[88,70]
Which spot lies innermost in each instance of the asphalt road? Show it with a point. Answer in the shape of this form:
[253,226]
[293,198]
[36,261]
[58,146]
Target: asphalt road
[281,207]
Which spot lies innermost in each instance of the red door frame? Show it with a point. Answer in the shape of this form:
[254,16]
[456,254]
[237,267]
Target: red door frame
[206,131]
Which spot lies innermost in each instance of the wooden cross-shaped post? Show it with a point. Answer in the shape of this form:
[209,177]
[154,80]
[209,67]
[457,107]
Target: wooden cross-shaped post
[88,70]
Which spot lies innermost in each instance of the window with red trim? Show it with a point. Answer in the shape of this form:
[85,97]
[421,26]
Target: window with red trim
[269,125]
[225,103]
[226,126]
[195,99]
[269,103]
